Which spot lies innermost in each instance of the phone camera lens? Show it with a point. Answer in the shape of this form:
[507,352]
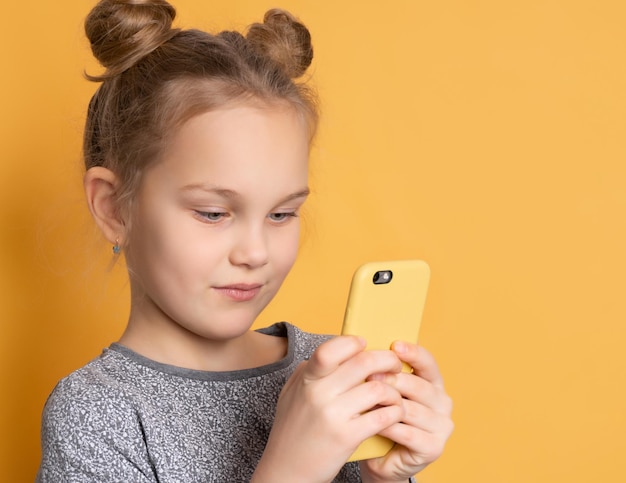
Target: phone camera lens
[382,277]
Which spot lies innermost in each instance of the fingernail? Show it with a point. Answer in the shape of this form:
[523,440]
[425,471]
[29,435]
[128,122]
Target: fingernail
[400,347]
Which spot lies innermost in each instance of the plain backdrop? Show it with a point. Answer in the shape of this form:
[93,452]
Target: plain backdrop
[485,137]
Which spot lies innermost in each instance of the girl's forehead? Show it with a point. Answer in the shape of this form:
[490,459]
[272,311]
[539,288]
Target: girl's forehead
[239,145]
[242,131]
[228,126]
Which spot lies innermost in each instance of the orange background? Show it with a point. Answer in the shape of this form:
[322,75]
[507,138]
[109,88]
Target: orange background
[486,137]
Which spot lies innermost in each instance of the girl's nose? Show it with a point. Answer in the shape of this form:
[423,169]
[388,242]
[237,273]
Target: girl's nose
[250,248]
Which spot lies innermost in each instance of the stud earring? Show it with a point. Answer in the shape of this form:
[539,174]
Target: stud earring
[116,247]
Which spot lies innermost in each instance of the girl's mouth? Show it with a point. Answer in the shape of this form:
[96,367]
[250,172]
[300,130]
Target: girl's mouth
[239,292]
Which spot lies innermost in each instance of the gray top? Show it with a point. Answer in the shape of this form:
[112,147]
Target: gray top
[126,418]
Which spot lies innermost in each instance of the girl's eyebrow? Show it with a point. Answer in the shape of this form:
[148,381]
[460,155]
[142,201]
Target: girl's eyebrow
[223,192]
[230,194]
[297,195]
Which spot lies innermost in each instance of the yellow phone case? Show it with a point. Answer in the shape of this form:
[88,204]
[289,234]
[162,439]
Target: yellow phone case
[383,311]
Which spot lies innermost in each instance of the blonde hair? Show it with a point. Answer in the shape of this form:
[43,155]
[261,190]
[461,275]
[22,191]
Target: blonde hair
[157,77]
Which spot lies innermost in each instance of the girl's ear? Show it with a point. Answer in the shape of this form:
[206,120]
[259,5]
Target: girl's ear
[100,187]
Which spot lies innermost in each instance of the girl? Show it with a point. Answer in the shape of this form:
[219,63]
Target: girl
[196,148]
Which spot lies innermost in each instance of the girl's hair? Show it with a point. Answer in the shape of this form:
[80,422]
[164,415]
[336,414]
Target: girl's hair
[158,77]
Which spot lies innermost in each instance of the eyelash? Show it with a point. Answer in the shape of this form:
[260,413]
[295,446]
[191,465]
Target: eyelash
[286,216]
[207,216]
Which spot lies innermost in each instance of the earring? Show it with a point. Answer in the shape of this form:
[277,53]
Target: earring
[116,247]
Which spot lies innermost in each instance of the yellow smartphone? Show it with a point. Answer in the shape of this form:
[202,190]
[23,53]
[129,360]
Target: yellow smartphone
[385,304]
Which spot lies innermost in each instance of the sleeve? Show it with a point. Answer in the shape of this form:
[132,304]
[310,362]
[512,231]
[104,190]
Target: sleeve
[90,434]
[350,473]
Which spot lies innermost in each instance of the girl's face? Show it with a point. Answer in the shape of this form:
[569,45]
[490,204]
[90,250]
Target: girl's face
[215,222]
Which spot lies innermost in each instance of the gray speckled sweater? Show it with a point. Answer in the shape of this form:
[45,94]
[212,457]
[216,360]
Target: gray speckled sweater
[125,418]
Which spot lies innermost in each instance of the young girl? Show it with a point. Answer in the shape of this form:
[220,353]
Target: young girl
[196,148]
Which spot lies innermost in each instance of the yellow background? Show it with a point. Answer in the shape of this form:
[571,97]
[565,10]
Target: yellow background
[486,137]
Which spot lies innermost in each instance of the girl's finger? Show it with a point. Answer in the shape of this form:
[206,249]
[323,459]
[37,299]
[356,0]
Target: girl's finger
[331,354]
[424,418]
[421,391]
[423,446]
[422,361]
[363,365]
[370,395]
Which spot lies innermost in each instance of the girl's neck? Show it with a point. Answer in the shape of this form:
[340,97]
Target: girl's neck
[182,348]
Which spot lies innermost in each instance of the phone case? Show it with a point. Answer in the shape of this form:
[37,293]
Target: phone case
[384,312]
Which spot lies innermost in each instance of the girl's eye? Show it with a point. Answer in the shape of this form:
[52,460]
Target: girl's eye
[282,217]
[211,216]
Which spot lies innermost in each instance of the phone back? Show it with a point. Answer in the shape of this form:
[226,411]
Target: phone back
[385,304]
[387,311]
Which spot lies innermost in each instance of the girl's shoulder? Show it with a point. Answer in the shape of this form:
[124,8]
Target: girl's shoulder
[95,388]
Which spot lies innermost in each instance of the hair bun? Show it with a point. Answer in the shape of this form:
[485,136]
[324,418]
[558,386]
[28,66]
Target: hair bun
[285,40]
[122,32]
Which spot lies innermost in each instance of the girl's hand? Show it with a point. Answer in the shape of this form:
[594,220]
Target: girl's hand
[322,413]
[426,426]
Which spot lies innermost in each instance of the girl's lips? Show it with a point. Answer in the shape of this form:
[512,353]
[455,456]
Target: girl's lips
[239,292]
